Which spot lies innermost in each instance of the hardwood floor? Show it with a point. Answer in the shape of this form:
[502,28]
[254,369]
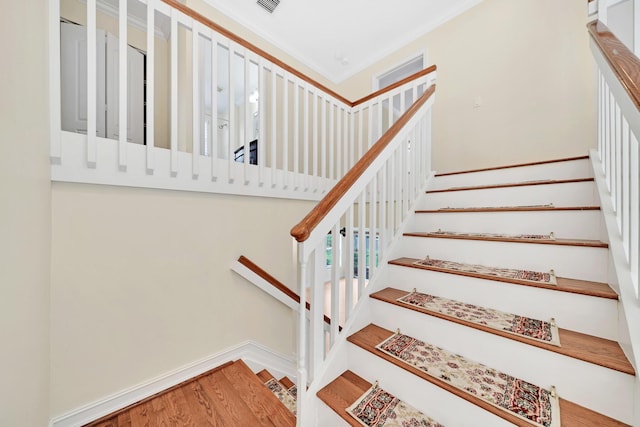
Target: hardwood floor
[228,396]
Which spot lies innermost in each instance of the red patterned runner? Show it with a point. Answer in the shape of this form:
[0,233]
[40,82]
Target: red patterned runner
[507,273]
[549,236]
[378,408]
[525,400]
[527,327]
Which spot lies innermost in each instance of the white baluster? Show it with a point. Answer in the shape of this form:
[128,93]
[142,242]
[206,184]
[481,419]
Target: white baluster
[316,152]
[348,263]
[174,93]
[91,84]
[634,217]
[122,84]
[195,100]
[302,335]
[150,88]
[296,134]
[273,127]
[248,120]
[317,309]
[262,117]
[331,141]
[625,209]
[305,147]
[335,282]
[362,220]
[285,130]
[233,140]
[213,134]
[373,190]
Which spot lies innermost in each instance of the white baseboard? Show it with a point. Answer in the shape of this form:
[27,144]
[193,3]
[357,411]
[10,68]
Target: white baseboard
[256,355]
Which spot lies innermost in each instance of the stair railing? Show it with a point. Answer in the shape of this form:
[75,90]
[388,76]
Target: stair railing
[210,98]
[343,239]
[617,165]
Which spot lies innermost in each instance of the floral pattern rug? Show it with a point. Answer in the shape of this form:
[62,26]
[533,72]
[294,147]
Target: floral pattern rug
[508,273]
[525,400]
[449,208]
[549,236]
[293,391]
[377,408]
[527,327]
[282,394]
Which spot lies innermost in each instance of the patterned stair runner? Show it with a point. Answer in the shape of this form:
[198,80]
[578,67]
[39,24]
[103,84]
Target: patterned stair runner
[525,400]
[282,394]
[450,208]
[549,236]
[508,273]
[379,408]
[527,327]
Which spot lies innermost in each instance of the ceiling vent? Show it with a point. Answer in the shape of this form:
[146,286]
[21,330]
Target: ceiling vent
[269,5]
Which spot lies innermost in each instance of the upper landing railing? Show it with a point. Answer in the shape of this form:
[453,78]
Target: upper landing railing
[186,105]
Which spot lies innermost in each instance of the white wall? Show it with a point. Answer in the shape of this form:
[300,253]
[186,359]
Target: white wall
[528,61]
[141,283]
[24,216]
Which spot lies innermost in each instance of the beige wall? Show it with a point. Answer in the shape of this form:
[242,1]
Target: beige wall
[529,62]
[141,283]
[24,216]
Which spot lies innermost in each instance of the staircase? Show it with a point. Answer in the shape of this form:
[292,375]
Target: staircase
[229,395]
[541,224]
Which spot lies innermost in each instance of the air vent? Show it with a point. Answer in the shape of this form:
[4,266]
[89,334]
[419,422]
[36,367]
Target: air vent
[269,5]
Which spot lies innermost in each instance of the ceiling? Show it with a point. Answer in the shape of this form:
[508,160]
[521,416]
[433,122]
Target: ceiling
[339,38]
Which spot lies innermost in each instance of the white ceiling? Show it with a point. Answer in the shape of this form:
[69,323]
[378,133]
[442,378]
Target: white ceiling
[339,38]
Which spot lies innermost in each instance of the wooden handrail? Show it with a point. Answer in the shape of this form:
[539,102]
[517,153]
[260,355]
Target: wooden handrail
[303,229]
[277,284]
[397,84]
[255,49]
[624,63]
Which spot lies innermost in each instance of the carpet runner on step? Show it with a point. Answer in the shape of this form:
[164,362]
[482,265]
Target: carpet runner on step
[378,408]
[449,208]
[282,394]
[526,327]
[549,236]
[525,400]
[507,273]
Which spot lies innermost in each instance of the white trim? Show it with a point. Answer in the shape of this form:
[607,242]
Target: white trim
[257,356]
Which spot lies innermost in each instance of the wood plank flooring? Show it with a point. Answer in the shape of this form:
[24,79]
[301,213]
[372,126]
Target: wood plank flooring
[583,287]
[572,415]
[585,347]
[228,396]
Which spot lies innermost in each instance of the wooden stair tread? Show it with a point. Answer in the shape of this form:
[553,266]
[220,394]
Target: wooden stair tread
[572,415]
[286,382]
[265,376]
[342,392]
[264,404]
[517,165]
[576,286]
[511,184]
[559,242]
[510,209]
[581,346]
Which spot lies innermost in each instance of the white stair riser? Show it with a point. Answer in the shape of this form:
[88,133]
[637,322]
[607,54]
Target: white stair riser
[561,170]
[580,313]
[572,224]
[571,194]
[439,404]
[584,263]
[328,417]
[601,389]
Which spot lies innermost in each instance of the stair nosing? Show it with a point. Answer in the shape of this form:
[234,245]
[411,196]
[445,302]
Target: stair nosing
[511,185]
[518,165]
[556,242]
[549,347]
[612,295]
[509,209]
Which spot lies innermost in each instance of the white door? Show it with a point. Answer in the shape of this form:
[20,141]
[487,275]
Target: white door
[135,92]
[73,73]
